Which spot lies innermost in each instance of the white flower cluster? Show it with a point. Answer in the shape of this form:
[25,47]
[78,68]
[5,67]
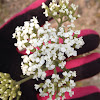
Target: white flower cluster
[49,48]
[49,53]
[64,85]
[25,33]
[61,9]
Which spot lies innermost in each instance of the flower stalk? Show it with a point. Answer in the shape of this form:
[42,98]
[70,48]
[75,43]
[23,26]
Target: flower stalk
[24,80]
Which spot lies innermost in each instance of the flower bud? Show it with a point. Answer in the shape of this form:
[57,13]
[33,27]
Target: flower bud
[3,88]
[14,95]
[7,75]
[10,98]
[19,93]
[7,91]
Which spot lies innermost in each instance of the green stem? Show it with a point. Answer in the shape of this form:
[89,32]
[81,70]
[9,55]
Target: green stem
[64,69]
[57,88]
[55,71]
[56,20]
[18,97]
[59,25]
[65,21]
[24,80]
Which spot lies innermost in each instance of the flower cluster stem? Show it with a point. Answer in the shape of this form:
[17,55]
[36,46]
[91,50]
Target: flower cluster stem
[59,25]
[18,97]
[24,80]
[55,71]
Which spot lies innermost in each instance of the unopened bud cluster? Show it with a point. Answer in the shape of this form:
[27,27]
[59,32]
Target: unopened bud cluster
[8,88]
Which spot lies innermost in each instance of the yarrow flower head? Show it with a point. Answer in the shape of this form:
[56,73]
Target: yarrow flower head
[48,47]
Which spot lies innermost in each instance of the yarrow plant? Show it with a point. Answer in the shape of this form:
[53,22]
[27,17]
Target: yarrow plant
[47,48]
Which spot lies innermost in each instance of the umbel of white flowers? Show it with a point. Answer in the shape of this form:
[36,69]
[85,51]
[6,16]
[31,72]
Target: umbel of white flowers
[47,50]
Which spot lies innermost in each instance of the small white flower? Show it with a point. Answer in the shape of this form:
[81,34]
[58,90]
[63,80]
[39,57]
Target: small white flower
[67,11]
[55,13]
[37,60]
[74,73]
[74,6]
[62,11]
[72,83]
[46,25]
[65,73]
[14,35]
[78,15]
[28,51]
[67,1]
[72,25]
[46,13]
[43,5]
[55,77]
[71,93]
[52,67]
[63,6]
[62,64]
[26,24]
[58,98]
[37,86]
[77,32]
[63,97]
[66,79]
[70,16]
[43,75]
[54,1]
[25,59]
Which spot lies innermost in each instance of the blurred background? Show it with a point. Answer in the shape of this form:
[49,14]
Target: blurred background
[90,19]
